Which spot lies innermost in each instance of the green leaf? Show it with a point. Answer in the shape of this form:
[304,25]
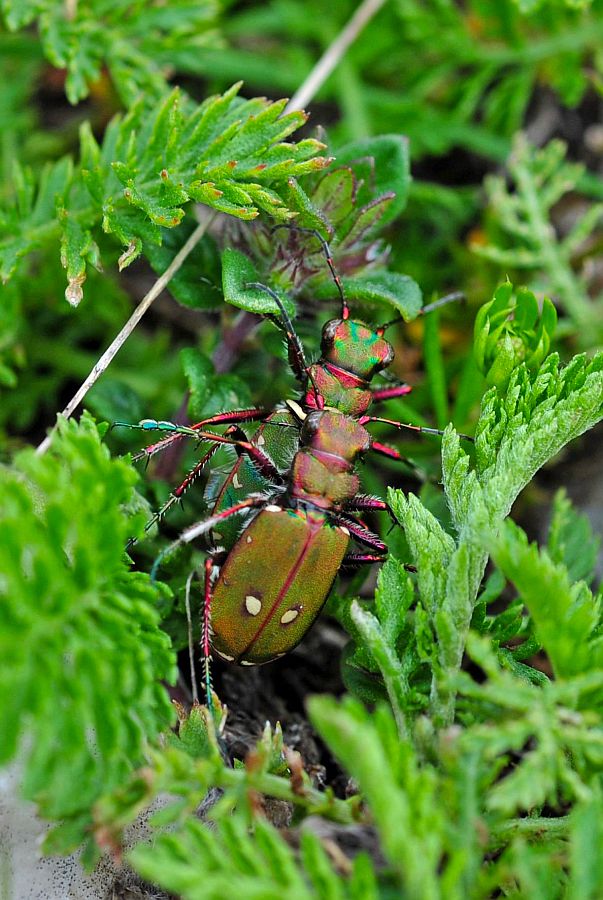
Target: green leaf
[196,283]
[527,240]
[566,615]
[198,863]
[391,288]
[237,273]
[79,627]
[129,40]
[586,835]
[571,540]
[227,153]
[383,166]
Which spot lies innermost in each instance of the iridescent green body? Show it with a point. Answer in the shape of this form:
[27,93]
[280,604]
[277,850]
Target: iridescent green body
[274,583]
[279,571]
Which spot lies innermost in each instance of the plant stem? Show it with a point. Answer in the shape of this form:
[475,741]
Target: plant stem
[564,282]
[531,828]
[116,345]
[313,801]
[333,55]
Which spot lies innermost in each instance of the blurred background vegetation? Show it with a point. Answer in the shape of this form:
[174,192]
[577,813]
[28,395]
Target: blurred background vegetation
[500,102]
[485,90]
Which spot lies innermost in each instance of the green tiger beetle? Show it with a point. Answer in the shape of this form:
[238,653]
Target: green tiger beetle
[295,507]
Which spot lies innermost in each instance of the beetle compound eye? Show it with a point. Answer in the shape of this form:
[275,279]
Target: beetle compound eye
[311,425]
[329,332]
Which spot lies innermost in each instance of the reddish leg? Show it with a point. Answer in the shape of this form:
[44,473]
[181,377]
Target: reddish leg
[398,390]
[361,533]
[264,463]
[206,633]
[225,418]
[364,420]
[199,528]
[362,502]
[179,492]
[392,453]
[355,559]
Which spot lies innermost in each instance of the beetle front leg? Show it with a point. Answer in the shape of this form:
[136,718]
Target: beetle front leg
[388,393]
[177,432]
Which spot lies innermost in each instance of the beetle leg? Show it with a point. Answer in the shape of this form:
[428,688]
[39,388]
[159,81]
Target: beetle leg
[199,528]
[387,393]
[355,559]
[177,493]
[361,533]
[206,633]
[364,420]
[392,453]
[227,418]
[362,502]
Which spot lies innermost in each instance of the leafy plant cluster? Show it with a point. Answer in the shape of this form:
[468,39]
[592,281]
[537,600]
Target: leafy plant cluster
[470,88]
[471,733]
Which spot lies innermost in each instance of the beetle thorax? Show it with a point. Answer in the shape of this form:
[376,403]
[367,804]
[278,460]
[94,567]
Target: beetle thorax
[351,355]
[323,468]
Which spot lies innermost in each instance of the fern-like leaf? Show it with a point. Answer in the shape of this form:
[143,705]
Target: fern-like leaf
[227,153]
[82,655]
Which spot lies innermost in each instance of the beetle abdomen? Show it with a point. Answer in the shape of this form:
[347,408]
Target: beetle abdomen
[274,583]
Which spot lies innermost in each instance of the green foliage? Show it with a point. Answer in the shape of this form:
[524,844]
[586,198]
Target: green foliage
[509,331]
[471,88]
[556,726]
[567,617]
[133,40]
[226,153]
[477,769]
[516,434]
[523,236]
[198,863]
[571,540]
[364,189]
[82,652]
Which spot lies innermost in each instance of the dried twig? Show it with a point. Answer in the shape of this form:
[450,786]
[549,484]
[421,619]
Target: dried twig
[116,345]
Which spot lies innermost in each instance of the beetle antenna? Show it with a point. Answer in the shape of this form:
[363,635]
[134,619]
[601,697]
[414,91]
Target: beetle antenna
[290,331]
[454,297]
[299,364]
[345,310]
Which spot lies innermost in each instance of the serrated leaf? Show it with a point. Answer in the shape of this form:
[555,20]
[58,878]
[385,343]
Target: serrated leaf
[388,170]
[75,594]
[566,615]
[237,273]
[153,162]
[398,291]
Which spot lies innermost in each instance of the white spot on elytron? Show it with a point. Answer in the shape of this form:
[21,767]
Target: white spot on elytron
[225,656]
[345,530]
[289,616]
[218,536]
[235,481]
[249,539]
[245,662]
[260,441]
[297,409]
[273,508]
[253,605]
